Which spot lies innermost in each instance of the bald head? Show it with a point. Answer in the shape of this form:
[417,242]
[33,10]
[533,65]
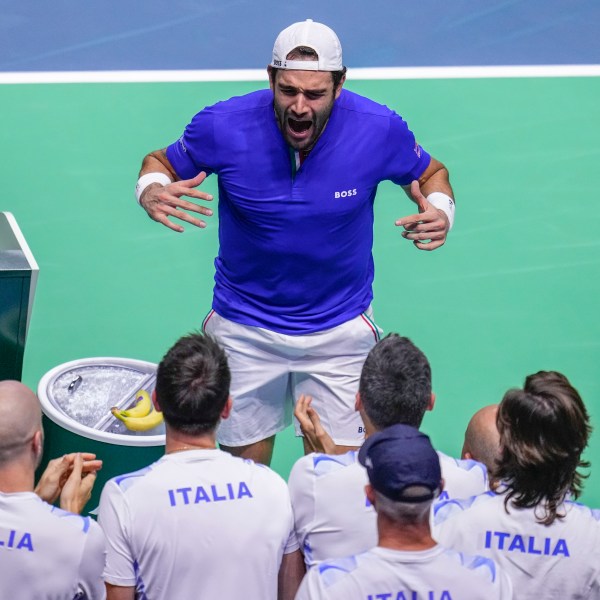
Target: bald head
[482,440]
[20,419]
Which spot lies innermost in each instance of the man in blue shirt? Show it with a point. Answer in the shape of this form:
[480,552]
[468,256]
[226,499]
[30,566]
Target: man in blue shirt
[298,167]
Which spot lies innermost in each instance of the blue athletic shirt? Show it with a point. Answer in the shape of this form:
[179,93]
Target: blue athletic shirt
[295,250]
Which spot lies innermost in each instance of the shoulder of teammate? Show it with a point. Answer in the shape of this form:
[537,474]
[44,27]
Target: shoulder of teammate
[271,475]
[302,471]
[584,521]
[463,478]
[113,498]
[452,508]
[75,522]
[126,480]
[592,513]
[466,464]
[311,467]
[259,477]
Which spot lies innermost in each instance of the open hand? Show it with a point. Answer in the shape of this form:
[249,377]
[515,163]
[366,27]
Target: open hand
[165,202]
[429,228]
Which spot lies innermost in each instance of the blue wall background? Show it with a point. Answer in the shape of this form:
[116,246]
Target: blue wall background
[37,35]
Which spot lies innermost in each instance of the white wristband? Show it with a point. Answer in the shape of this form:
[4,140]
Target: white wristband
[443,202]
[145,180]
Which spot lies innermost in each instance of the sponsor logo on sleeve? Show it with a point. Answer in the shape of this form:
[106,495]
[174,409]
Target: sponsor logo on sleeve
[182,144]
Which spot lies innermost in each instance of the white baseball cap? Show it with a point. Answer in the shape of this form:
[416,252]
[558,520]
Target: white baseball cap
[317,36]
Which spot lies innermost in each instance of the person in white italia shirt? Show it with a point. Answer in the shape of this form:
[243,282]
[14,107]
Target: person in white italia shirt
[332,515]
[176,527]
[530,524]
[407,563]
[46,552]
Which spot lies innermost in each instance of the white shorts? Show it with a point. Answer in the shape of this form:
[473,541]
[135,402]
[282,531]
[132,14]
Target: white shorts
[269,371]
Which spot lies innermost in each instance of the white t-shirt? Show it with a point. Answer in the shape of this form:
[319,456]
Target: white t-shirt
[48,553]
[385,574]
[462,478]
[197,524]
[561,560]
[332,515]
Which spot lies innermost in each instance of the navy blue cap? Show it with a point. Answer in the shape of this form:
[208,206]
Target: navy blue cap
[400,457]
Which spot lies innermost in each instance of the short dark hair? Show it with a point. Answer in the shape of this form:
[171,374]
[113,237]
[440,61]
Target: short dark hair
[307,53]
[192,384]
[395,383]
[544,428]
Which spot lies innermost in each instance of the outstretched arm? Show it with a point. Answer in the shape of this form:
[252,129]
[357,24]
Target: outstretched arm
[434,197]
[160,193]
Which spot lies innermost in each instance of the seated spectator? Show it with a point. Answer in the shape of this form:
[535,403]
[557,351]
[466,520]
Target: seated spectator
[404,478]
[548,544]
[45,552]
[332,516]
[482,439]
[198,523]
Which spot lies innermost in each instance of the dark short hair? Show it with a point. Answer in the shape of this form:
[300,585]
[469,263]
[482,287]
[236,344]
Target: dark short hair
[544,428]
[395,383]
[307,53]
[192,384]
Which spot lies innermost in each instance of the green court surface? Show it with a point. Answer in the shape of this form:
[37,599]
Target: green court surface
[514,290]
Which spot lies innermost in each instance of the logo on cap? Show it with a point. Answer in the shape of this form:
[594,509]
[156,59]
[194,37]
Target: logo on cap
[311,34]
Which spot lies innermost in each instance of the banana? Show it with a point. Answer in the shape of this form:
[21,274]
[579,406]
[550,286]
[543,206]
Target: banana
[149,421]
[142,407]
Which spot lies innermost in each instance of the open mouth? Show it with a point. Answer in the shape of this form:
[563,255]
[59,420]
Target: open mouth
[299,126]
